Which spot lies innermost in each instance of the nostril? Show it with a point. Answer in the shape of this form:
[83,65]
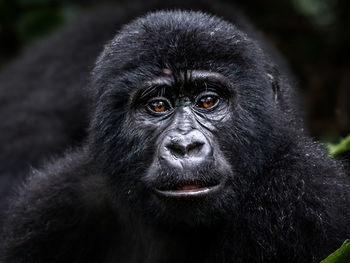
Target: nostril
[176,150]
[179,150]
[194,148]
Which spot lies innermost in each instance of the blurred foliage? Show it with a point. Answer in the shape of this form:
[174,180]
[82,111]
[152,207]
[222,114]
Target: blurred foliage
[321,11]
[37,22]
[342,255]
[23,21]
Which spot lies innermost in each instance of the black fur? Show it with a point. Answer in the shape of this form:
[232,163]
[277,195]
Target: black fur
[43,102]
[284,200]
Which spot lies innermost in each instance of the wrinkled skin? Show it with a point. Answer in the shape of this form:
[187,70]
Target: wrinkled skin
[194,154]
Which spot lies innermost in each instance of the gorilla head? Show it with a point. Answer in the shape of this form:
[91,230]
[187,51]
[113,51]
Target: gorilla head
[186,111]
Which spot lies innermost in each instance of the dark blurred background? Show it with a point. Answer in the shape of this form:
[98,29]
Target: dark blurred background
[313,36]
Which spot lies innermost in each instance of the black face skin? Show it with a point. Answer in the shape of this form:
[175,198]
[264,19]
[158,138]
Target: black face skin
[191,113]
[185,114]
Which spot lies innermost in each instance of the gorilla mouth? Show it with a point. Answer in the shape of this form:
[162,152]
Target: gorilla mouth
[175,183]
[189,190]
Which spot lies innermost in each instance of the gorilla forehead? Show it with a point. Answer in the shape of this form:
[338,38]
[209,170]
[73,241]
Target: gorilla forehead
[178,39]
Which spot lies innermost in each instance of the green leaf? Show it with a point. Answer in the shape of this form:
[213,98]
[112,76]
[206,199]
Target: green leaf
[342,255]
[343,146]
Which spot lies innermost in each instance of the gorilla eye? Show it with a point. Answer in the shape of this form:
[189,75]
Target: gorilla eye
[207,102]
[159,106]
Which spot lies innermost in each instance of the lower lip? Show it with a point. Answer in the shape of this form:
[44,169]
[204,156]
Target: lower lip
[203,191]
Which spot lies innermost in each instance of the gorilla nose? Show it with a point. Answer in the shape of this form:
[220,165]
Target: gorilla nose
[188,149]
[181,149]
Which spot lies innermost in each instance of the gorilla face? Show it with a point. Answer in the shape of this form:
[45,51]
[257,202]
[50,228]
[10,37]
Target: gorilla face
[184,104]
[186,115]
[187,166]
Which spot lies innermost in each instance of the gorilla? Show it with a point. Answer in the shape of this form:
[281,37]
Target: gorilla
[195,152]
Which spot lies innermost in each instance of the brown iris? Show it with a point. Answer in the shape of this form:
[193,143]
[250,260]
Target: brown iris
[159,106]
[208,102]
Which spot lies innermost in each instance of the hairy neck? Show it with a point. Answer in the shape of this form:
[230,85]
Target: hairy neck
[154,245]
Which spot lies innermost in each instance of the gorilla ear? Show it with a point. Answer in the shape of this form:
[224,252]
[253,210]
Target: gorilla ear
[275,81]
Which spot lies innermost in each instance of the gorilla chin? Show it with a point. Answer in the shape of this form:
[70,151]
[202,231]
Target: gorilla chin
[194,196]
